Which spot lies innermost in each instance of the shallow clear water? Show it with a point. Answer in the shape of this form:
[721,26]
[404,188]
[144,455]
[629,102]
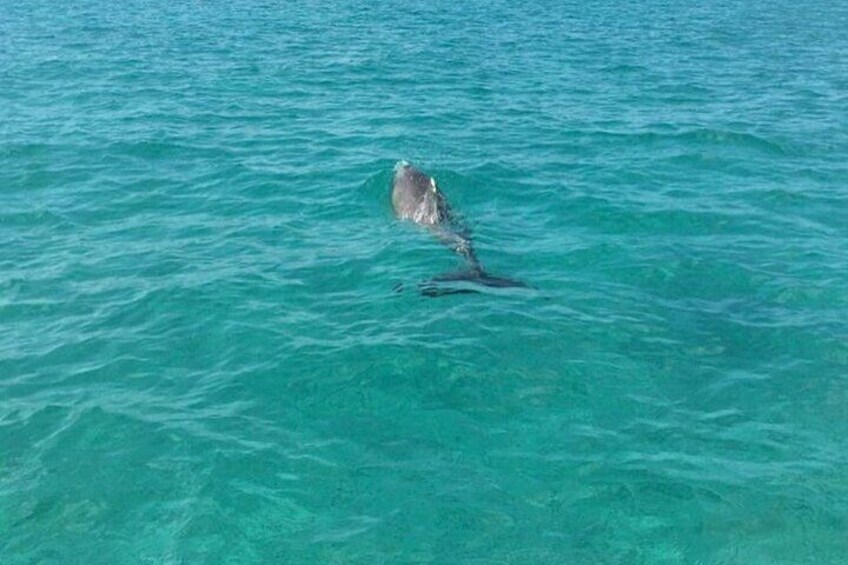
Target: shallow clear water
[202,357]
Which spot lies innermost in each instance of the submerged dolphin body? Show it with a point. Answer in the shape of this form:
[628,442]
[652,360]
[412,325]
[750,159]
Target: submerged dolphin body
[416,197]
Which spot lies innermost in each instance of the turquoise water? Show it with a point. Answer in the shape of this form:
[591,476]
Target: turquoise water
[202,357]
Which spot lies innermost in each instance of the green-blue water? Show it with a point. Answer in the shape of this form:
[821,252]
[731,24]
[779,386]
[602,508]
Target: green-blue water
[202,357]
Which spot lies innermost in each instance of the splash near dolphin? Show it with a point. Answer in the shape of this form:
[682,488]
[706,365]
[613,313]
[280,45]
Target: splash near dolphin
[417,198]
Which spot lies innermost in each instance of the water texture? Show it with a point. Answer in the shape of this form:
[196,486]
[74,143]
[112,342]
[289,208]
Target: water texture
[202,357]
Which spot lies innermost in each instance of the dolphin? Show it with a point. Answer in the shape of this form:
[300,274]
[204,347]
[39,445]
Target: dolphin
[417,198]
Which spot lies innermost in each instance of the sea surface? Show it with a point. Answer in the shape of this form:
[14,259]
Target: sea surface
[212,344]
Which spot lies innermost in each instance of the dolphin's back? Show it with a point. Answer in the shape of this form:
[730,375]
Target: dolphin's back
[416,197]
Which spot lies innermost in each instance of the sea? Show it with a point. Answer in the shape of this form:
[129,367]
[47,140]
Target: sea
[214,347]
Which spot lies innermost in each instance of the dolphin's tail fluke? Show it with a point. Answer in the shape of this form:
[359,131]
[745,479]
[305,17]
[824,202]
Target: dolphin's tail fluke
[464,282]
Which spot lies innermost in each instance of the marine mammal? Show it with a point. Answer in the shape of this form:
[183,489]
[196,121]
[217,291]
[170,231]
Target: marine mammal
[416,197]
